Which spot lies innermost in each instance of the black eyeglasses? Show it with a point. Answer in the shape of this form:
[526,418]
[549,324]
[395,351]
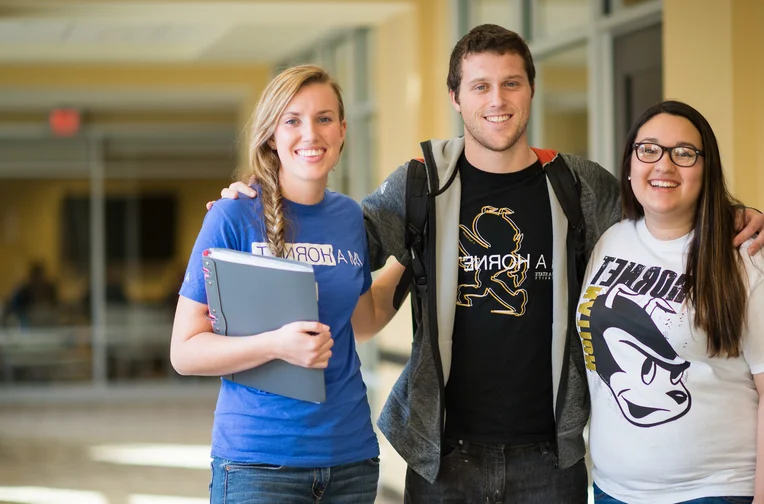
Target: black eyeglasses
[680,155]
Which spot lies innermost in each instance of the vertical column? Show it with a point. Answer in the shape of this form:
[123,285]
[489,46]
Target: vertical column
[97,260]
[362,166]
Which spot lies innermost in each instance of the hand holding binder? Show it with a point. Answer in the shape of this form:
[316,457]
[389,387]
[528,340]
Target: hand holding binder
[250,294]
[306,344]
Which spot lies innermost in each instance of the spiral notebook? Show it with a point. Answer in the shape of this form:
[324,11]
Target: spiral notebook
[250,294]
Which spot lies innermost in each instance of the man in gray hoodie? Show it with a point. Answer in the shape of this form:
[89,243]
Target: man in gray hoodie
[492,403]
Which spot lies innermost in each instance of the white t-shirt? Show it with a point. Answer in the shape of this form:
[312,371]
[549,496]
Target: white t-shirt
[668,422]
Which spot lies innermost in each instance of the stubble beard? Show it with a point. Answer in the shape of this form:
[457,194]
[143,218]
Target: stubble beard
[500,146]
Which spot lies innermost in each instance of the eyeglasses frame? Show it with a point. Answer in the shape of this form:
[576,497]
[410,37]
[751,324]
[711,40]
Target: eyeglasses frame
[670,150]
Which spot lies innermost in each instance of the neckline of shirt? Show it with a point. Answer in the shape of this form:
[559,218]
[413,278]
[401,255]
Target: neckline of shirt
[469,170]
[300,208]
[654,243]
[303,209]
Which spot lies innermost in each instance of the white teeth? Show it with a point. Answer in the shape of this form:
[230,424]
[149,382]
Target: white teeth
[663,183]
[310,152]
[498,119]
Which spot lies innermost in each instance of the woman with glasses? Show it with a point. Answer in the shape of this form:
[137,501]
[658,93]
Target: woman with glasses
[671,319]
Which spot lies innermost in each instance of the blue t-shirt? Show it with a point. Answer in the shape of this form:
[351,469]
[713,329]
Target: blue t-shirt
[258,427]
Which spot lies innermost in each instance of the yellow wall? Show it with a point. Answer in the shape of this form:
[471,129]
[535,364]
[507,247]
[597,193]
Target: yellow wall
[748,71]
[713,58]
[133,76]
[397,77]
[567,131]
[411,64]
[435,35]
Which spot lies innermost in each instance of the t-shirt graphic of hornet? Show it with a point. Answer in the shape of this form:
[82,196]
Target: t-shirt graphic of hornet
[498,275]
[634,359]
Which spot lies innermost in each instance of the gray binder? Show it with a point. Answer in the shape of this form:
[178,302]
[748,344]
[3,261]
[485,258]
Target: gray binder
[250,294]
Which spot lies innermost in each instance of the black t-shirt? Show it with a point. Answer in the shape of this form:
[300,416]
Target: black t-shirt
[500,386]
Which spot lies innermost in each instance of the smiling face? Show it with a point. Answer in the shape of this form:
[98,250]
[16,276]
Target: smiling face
[668,193]
[494,101]
[308,138]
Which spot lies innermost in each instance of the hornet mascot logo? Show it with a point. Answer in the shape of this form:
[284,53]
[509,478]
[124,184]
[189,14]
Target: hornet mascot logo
[640,367]
[503,285]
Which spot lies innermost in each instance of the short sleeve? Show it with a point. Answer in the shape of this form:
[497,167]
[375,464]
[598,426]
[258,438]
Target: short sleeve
[366,266]
[753,342]
[216,232]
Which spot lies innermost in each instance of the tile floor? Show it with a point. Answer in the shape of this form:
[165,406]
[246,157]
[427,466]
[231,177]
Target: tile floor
[107,452]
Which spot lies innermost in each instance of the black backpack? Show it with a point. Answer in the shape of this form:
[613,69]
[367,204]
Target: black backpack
[566,187]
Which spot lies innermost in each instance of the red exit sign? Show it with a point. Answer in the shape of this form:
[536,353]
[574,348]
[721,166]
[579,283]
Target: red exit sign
[64,122]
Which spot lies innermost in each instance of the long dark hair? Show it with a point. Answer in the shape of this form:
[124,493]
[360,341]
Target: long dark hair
[715,285]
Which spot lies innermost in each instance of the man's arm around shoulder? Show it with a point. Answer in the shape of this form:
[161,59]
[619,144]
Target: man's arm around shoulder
[600,196]
[384,213]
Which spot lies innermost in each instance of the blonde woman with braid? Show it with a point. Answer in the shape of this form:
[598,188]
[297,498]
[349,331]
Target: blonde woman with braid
[265,447]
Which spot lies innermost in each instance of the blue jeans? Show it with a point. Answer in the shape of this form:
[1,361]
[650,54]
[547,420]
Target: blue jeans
[601,497]
[480,473]
[241,483]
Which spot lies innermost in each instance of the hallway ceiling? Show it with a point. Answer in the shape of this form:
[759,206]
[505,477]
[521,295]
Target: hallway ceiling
[169,33]
[105,31]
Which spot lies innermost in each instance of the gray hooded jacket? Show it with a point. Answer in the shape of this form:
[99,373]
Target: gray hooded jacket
[414,416]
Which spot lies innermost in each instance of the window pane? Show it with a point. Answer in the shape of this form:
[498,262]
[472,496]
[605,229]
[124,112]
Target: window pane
[559,15]
[361,63]
[564,101]
[616,5]
[505,13]
[152,188]
[45,335]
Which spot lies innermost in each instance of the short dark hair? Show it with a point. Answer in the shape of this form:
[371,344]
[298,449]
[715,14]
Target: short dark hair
[488,38]
[719,306]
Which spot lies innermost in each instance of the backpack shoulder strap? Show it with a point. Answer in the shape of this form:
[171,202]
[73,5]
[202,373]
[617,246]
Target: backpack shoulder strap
[567,188]
[416,200]
[416,219]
